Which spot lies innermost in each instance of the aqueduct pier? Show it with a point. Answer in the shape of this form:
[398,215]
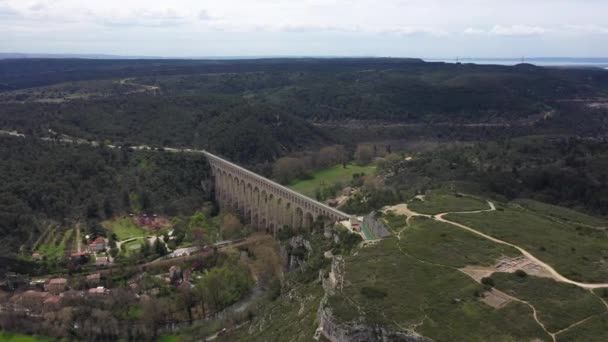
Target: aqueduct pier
[266,204]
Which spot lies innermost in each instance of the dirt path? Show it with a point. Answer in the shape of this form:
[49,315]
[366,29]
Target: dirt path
[555,275]
[143,87]
[402,209]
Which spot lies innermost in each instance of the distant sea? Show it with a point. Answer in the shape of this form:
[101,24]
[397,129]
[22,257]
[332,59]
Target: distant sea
[540,61]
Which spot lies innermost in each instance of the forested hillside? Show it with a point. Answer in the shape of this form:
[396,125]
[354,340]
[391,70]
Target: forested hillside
[256,111]
[44,183]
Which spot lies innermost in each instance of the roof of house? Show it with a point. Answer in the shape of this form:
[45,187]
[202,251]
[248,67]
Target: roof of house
[60,281]
[98,241]
[77,254]
[102,259]
[94,276]
[52,300]
[98,290]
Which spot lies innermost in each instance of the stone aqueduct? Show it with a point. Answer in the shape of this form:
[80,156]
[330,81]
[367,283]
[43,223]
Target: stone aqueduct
[267,205]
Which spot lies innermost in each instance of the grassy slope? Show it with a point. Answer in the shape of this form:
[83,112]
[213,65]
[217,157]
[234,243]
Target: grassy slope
[124,228]
[292,318]
[445,244]
[593,330]
[562,213]
[441,203]
[329,176]
[442,298]
[576,252]
[558,305]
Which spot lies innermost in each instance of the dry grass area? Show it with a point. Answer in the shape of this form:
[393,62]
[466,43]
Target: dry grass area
[496,299]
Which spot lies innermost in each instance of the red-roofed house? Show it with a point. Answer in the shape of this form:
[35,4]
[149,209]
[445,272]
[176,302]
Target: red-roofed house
[53,302]
[100,262]
[57,285]
[97,245]
[93,279]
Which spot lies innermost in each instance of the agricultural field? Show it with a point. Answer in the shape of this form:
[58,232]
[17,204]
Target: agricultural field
[54,242]
[328,177]
[577,252]
[435,203]
[124,228]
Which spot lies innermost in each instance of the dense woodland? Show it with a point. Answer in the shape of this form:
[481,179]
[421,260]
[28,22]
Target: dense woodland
[43,183]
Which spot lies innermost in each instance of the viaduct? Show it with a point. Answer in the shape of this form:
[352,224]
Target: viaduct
[267,205]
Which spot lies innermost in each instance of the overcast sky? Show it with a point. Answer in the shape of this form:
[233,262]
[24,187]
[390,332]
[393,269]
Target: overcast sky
[417,28]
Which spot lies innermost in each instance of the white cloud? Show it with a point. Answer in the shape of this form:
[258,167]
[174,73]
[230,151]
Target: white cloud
[472,30]
[143,17]
[314,26]
[588,29]
[513,30]
[518,30]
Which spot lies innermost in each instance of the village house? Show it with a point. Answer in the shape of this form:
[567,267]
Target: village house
[100,290]
[32,300]
[97,245]
[37,256]
[93,280]
[57,285]
[102,262]
[52,303]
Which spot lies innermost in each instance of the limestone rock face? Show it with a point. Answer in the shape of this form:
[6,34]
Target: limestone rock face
[295,252]
[346,332]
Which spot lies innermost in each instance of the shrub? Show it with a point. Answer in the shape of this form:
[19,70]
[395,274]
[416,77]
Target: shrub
[373,293]
[488,281]
[521,273]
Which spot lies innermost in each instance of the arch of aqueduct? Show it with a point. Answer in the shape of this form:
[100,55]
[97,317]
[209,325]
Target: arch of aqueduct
[266,204]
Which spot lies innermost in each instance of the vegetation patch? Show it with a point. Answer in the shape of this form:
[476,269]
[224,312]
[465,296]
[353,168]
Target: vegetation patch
[561,213]
[579,253]
[436,301]
[593,330]
[329,177]
[124,228]
[558,305]
[10,337]
[436,203]
[289,318]
[442,243]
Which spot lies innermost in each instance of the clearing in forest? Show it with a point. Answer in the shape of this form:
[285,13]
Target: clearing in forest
[329,177]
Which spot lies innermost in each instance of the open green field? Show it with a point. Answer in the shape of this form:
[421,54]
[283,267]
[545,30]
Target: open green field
[558,305]
[579,253]
[561,213]
[387,286]
[328,177]
[436,203]
[133,246]
[593,330]
[442,243]
[10,337]
[124,228]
